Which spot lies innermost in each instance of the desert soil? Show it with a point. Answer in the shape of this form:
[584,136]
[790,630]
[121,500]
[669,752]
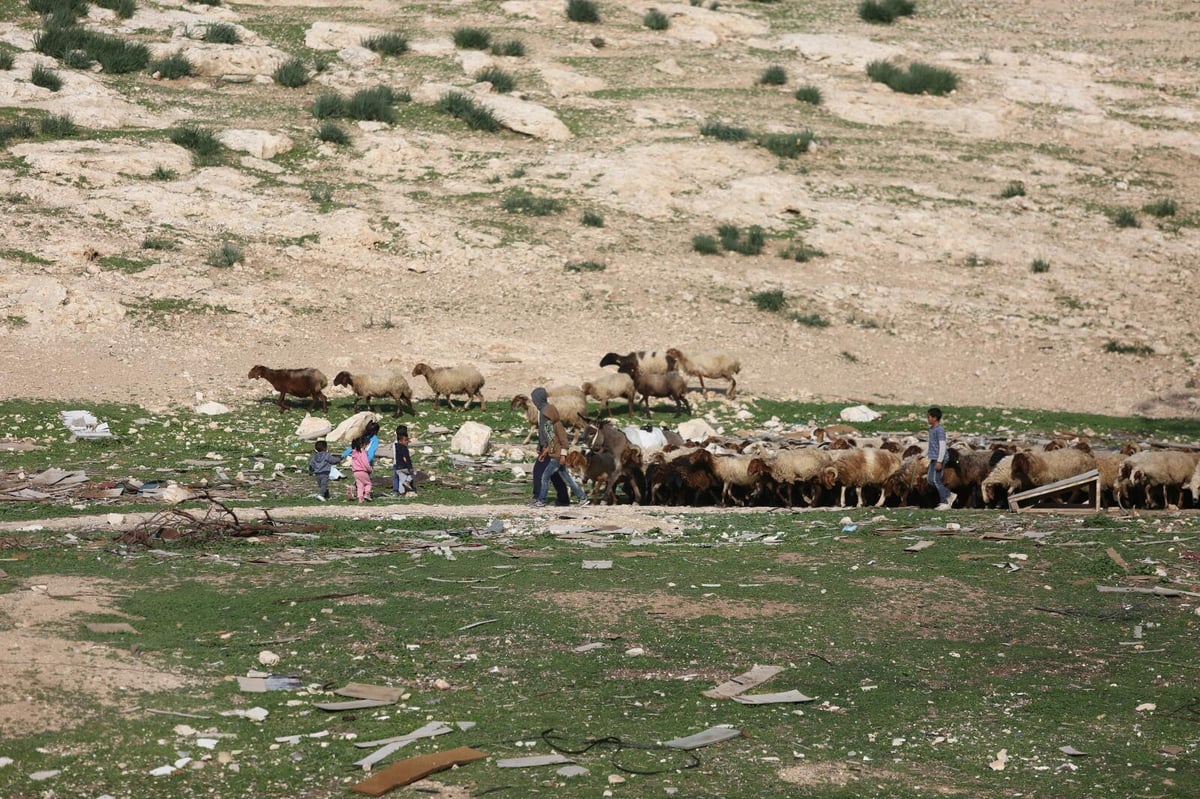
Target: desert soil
[926,277]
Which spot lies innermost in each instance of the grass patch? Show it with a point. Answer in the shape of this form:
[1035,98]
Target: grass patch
[591,219]
[1125,217]
[221,33]
[656,20]
[787,145]
[723,132]
[705,244]
[919,78]
[1162,207]
[333,133]
[226,254]
[774,75]
[1015,188]
[1039,266]
[501,81]
[583,11]
[375,104]
[461,106]
[733,240]
[514,48]
[24,257]
[771,300]
[472,39]
[172,67]
[159,243]
[520,201]
[808,94]
[206,148]
[6,60]
[45,77]
[15,321]
[1119,348]
[387,44]
[16,129]
[328,105]
[120,263]
[885,12]
[163,173]
[292,73]
[58,126]
[585,266]
[809,319]
[801,253]
[124,9]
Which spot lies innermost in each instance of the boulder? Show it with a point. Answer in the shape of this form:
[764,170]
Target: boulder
[473,438]
[858,413]
[526,117]
[696,430]
[258,143]
[313,427]
[359,57]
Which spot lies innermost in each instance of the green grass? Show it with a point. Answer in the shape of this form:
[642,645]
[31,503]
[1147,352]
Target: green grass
[24,257]
[585,266]
[472,39]
[591,219]
[724,132]
[1162,207]
[226,254]
[6,60]
[1039,266]
[45,77]
[387,44]
[80,46]
[292,73]
[801,253]
[1125,218]
[656,20]
[513,48]
[583,11]
[809,320]
[521,201]
[787,145]
[124,9]
[808,94]
[221,33]
[919,78]
[163,173]
[885,12]
[774,75]
[332,132]
[464,107]
[58,126]
[159,243]
[748,242]
[15,129]
[1120,348]
[172,67]
[705,244]
[328,105]
[121,263]
[375,104]
[502,82]
[206,148]
[1015,188]
[771,300]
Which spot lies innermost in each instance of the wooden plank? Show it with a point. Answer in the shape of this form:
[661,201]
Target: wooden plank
[743,682]
[412,769]
[380,693]
[357,704]
[1091,476]
[1116,558]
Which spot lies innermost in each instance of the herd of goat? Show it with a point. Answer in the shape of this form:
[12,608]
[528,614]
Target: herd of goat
[660,467]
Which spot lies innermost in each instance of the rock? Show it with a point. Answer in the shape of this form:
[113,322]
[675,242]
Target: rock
[174,494]
[218,60]
[212,409]
[268,658]
[472,438]
[858,413]
[336,35]
[473,60]
[353,427]
[526,117]
[258,143]
[359,57]
[313,427]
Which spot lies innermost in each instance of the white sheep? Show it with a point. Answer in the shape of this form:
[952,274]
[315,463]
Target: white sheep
[732,470]
[568,400]
[791,468]
[713,365]
[999,478]
[610,386]
[378,384]
[451,380]
[1169,469]
[860,468]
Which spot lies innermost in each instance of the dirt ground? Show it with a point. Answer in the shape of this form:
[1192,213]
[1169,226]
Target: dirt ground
[926,279]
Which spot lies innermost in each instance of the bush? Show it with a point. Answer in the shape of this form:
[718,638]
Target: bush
[163,173]
[501,81]
[521,201]
[472,39]
[292,73]
[1015,188]
[810,319]
[705,245]
[1127,349]
[6,60]
[393,43]
[513,47]
[918,79]
[787,145]
[221,33]
[582,11]
[723,132]
[58,126]
[591,219]
[801,253]
[372,104]
[116,56]
[77,59]
[332,132]
[585,266]
[158,243]
[122,8]
[885,11]
[656,20]
[809,94]
[329,104]
[731,239]
[226,255]
[45,77]
[209,2]
[60,9]
[1162,207]
[173,66]
[772,300]
[1125,217]
[1039,266]
[477,117]
[321,194]
[202,142]
[18,129]
[773,75]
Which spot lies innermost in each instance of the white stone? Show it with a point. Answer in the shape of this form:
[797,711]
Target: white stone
[695,430]
[473,438]
[268,658]
[212,409]
[258,143]
[359,57]
[858,413]
[313,427]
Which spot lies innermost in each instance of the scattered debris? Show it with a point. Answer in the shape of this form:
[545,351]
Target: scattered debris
[783,697]
[1001,760]
[1156,590]
[713,735]
[354,704]
[589,647]
[268,658]
[380,693]
[1071,751]
[920,545]
[743,682]
[533,760]
[414,768]
[40,776]
[83,424]
[597,564]
[258,683]
[477,624]
[572,771]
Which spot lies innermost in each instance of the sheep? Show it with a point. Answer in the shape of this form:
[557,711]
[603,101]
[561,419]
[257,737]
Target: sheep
[1035,469]
[999,479]
[713,365]
[861,468]
[299,382]
[609,387]
[1109,465]
[910,483]
[451,380]
[1170,469]
[605,437]
[789,469]
[730,470]
[596,467]
[572,410]
[658,384]
[378,384]
[968,473]
[648,362]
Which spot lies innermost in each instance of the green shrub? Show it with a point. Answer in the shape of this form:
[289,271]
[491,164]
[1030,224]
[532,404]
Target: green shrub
[919,78]
[732,240]
[372,104]
[122,8]
[1125,217]
[512,47]
[292,73]
[172,67]
[1039,266]
[477,117]
[1162,207]
[472,39]
[885,11]
[58,126]
[583,11]
[120,263]
[810,319]
[60,9]
[591,219]
[159,243]
[787,145]
[45,77]
[501,81]
[585,266]
[520,201]
[809,94]
[209,2]
[77,59]
[17,129]
[801,253]
[116,55]
[723,132]
[6,60]
[321,194]
[221,33]
[1127,349]
[773,75]
[226,255]
[328,105]
[656,20]
[1015,188]
[705,245]
[393,43]
[332,132]
[771,300]
[163,173]
[203,143]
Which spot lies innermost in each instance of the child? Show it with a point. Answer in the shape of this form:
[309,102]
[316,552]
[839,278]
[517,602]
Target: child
[320,465]
[937,453]
[402,468]
[362,469]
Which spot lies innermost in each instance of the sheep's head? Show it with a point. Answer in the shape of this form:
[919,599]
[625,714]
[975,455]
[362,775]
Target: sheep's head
[673,355]
[575,461]
[421,369]
[1022,464]
[610,359]
[342,379]
[257,371]
[519,401]
[841,443]
[586,388]
[891,446]
[1082,446]
[913,449]
[829,477]
[758,466]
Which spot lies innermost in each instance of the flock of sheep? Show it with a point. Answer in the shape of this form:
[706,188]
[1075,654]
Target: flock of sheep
[818,470]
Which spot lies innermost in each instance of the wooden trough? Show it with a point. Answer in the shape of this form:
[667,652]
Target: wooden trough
[1090,478]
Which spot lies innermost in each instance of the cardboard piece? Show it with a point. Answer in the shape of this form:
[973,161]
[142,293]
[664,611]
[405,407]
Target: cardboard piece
[381,693]
[555,759]
[713,735]
[743,682]
[272,682]
[917,547]
[412,769]
[782,697]
[356,704]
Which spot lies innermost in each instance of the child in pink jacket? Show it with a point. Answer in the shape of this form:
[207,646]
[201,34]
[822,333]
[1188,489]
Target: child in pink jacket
[362,470]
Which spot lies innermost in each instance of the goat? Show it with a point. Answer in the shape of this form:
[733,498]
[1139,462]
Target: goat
[451,380]
[298,382]
[378,384]
[659,384]
[713,365]
[604,436]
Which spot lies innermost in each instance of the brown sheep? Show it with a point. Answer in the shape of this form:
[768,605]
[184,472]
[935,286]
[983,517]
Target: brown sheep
[1036,469]
[298,382]
[610,386]
[861,468]
[660,384]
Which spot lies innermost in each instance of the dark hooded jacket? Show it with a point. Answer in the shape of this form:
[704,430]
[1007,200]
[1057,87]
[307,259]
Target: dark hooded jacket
[552,436]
